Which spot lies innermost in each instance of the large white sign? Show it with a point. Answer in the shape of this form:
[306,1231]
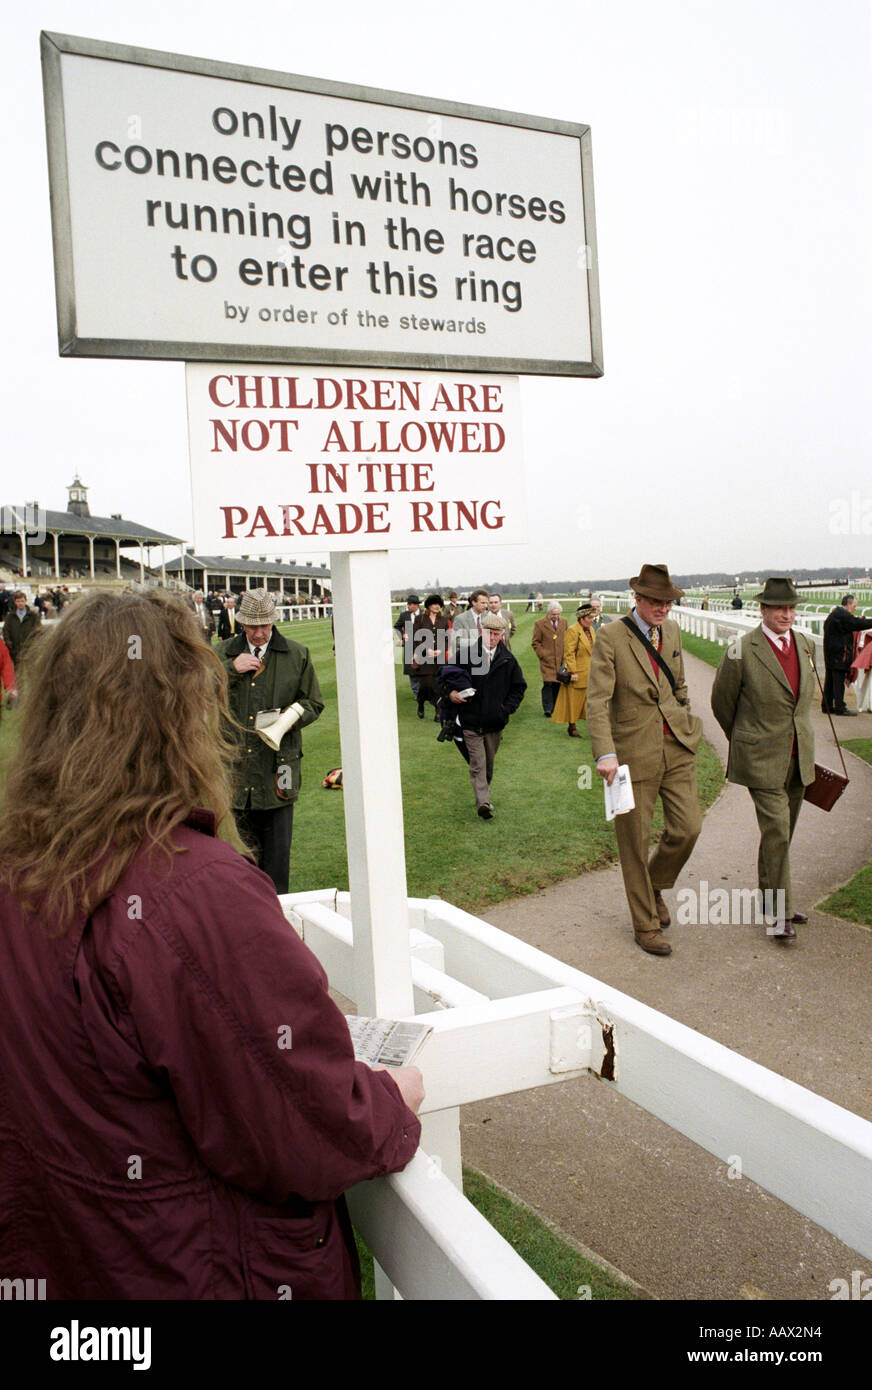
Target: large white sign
[287,461]
[203,211]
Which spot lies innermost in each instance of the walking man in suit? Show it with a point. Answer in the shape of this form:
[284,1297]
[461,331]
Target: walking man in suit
[20,625]
[547,643]
[638,713]
[404,627]
[762,699]
[227,620]
[203,614]
[466,628]
[839,630]
[495,605]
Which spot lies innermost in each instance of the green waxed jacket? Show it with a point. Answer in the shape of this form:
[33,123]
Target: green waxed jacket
[270,779]
[754,705]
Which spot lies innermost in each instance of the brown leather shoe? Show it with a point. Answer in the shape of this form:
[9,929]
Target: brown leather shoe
[573,732]
[782,931]
[662,910]
[654,942]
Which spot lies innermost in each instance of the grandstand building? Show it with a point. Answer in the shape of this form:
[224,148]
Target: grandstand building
[44,545]
[221,573]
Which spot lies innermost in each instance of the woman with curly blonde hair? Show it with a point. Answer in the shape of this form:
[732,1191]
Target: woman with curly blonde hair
[180,1108]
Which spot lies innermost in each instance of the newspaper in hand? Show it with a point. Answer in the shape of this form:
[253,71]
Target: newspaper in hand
[619,796]
[385,1041]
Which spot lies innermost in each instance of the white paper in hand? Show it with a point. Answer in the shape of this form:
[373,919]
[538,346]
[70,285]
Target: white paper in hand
[619,796]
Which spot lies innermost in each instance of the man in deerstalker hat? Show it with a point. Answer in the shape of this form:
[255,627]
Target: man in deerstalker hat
[762,699]
[267,674]
[638,713]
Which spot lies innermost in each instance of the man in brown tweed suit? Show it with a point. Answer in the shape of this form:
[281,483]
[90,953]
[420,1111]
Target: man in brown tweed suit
[638,716]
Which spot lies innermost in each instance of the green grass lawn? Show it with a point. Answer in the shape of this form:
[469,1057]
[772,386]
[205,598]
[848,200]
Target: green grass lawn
[711,652]
[854,900]
[861,746]
[547,827]
[560,1265]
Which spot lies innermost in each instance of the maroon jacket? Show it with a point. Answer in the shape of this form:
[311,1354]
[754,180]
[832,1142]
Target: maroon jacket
[180,1109]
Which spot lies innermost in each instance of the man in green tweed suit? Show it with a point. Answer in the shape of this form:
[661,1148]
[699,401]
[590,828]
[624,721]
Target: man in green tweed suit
[762,699]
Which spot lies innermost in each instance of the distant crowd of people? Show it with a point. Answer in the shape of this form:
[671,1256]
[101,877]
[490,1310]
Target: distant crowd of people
[459,660]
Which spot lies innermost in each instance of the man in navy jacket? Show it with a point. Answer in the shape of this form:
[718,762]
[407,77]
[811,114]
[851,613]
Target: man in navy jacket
[498,685]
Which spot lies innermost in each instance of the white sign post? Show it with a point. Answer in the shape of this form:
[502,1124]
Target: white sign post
[371,785]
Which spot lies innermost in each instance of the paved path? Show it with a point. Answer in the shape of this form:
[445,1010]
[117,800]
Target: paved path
[622,1182]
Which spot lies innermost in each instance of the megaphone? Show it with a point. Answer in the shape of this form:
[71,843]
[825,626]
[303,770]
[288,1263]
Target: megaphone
[273,734]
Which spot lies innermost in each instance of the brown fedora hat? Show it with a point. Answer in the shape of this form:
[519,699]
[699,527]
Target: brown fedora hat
[778,592]
[653,581]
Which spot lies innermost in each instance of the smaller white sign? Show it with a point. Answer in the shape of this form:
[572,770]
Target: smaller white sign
[295,459]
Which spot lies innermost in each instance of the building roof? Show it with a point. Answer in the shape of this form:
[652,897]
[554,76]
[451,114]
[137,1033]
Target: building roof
[111,527]
[234,564]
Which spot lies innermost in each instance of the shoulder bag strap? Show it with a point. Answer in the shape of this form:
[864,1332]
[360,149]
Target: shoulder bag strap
[809,651]
[651,649]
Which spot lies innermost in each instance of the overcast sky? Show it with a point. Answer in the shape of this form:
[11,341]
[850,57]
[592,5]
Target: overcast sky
[731,157]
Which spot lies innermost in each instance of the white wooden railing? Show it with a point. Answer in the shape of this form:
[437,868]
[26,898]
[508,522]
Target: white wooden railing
[507,1017]
[304,612]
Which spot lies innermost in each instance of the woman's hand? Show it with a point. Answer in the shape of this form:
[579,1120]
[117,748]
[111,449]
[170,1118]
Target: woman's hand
[410,1083]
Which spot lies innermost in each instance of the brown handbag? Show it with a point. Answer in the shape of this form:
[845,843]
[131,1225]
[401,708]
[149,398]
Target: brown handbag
[828,785]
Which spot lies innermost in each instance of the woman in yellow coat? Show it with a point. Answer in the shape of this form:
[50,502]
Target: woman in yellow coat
[571,702]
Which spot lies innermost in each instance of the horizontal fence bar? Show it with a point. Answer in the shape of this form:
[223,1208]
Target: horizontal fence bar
[433,1244]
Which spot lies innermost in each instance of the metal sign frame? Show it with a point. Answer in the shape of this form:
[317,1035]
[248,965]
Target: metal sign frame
[54,46]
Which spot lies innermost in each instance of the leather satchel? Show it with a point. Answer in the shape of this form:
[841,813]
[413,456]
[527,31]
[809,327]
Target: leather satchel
[828,785]
[826,788]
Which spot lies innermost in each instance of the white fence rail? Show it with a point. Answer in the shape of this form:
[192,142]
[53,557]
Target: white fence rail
[507,1017]
[304,612]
